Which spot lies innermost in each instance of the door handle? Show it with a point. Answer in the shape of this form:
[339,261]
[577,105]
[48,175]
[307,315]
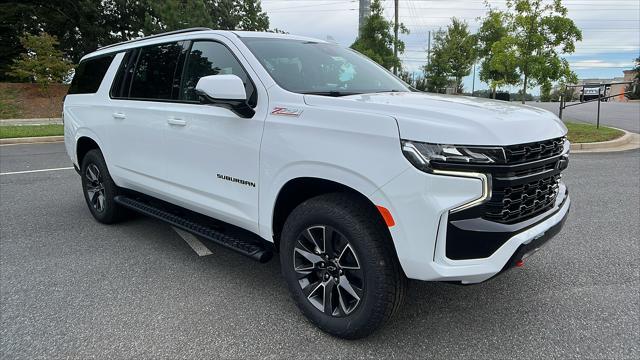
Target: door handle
[176,121]
[119,115]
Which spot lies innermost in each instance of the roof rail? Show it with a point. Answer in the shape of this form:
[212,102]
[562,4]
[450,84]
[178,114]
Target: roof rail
[156,36]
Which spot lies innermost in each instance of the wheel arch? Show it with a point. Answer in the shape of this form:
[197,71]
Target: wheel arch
[83,145]
[298,190]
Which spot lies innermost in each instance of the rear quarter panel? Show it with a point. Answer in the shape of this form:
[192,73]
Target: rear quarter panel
[89,115]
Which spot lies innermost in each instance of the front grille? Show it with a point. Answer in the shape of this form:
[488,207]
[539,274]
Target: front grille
[512,204]
[525,189]
[520,153]
[524,185]
[528,185]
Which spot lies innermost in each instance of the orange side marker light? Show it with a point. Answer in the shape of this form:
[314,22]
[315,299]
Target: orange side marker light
[386,215]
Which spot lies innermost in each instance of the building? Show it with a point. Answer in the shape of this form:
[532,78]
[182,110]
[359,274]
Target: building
[615,89]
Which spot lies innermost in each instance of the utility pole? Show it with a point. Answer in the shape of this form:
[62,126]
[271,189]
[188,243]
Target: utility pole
[429,48]
[428,56]
[473,83]
[395,36]
[363,12]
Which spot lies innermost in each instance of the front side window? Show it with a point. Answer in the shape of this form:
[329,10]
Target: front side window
[309,67]
[154,73]
[89,75]
[212,58]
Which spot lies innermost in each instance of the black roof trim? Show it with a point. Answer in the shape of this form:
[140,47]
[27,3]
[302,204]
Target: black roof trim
[157,36]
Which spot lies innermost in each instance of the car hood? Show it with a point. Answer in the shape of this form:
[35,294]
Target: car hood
[451,119]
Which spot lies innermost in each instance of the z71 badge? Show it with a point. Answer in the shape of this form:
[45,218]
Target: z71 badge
[285,111]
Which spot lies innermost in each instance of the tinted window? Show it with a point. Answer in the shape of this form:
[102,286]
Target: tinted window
[155,72]
[89,75]
[212,58]
[122,80]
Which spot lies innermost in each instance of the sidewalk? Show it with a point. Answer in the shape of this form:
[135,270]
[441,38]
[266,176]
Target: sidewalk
[41,121]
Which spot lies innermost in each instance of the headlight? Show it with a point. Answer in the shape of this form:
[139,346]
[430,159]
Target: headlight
[421,155]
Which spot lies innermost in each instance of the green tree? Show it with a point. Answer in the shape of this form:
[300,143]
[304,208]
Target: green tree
[11,28]
[376,38]
[453,55]
[461,46]
[169,15]
[498,67]
[437,69]
[253,18]
[42,62]
[634,89]
[125,19]
[81,26]
[537,33]
[545,92]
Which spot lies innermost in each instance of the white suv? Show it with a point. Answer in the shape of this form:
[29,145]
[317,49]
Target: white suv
[270,143]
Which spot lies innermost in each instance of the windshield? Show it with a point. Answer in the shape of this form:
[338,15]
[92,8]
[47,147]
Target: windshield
[309,67]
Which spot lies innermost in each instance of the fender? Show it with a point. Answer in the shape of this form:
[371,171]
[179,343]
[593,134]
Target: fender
[308,169]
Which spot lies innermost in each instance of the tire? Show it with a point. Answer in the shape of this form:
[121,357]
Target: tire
[99,189]
[359,259]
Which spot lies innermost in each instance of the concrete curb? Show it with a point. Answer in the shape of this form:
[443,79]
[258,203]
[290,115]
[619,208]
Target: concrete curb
[36,121]
[628,141]
[32,140]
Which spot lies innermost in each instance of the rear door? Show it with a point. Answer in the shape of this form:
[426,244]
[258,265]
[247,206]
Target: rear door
[212,153]
[142,95]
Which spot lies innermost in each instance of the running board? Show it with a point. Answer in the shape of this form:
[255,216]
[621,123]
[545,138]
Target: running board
[244,247]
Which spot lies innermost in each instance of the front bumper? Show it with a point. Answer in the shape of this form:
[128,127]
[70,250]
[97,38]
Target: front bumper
[421,204]
[518,246]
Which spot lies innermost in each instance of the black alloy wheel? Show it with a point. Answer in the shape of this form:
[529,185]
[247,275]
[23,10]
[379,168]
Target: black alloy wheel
[328,270]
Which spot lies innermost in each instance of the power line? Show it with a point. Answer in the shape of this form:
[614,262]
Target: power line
[312,5]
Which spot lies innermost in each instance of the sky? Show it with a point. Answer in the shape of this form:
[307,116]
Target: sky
[610,29]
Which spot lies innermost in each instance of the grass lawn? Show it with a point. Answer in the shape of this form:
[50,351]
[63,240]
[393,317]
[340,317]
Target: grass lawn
[586,133]
[30,131]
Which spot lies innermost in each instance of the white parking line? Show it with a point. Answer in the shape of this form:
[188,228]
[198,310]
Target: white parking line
[193,241]
[35,171]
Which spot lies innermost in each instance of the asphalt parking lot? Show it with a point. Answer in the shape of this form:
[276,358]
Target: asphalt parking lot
[617,114]
[73,288]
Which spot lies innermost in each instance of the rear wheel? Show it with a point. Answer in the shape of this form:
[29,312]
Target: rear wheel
[338,262]
[99,189]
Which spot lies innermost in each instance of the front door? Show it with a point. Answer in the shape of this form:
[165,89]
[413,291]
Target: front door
[212,154]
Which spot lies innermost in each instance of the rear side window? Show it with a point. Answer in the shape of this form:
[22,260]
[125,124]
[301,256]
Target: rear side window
[122,80]
[155,70]
[89,75]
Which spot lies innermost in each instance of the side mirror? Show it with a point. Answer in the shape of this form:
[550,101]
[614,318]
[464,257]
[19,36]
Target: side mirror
[225,91]
[222,87]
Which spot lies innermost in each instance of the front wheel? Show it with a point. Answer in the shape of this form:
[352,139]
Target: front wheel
[339,264]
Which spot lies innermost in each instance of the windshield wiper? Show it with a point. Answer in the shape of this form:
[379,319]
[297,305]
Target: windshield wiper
[330,93]
[388,91]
